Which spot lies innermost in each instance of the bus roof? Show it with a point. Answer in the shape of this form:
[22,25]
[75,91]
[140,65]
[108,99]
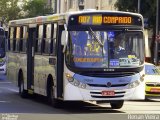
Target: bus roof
[102,11]
[65,16]
[38,20]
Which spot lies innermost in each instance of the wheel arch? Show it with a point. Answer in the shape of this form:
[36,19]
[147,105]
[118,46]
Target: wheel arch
[50,81]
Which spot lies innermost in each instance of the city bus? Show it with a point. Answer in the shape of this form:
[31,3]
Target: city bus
[2,51]
[71,57]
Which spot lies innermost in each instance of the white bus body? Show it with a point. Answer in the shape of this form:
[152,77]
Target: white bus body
[43,59]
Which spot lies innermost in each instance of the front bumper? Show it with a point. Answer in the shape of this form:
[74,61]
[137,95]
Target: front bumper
[74,93]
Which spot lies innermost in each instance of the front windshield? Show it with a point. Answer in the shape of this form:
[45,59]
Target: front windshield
[105,49]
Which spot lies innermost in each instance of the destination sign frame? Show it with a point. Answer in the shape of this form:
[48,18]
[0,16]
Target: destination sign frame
[104,19]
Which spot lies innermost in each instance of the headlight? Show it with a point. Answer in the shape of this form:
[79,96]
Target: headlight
[75,82]
[69,77]
[83,85]
[133,84]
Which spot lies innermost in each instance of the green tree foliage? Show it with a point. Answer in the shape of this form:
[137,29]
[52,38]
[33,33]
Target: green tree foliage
[126,5]
[147,9]
[9,10]
[16,9]
[36,8]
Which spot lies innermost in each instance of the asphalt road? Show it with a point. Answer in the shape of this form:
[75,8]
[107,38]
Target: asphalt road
[13,107]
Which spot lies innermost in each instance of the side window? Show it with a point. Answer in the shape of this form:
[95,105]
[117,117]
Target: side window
[24,38]
[53,40]
[47,38]
[11,38]
[14,39]
[44,39]
[17,40]
[39,39]
[21,42]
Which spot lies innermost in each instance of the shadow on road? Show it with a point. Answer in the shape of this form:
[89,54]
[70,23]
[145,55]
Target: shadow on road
[77,107]
[11,102]
[147,100]
[84,107]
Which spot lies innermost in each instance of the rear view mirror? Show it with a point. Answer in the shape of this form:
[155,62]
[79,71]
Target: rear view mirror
[64,39]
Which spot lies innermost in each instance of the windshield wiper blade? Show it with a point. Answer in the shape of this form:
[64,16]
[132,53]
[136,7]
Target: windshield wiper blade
[96,38]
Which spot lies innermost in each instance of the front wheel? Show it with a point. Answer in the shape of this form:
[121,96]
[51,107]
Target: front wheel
[117,104]
[23,93]
[146,98]
[51,98]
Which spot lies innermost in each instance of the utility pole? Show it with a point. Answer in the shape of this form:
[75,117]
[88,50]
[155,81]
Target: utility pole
[139,6]
[157,32]
[2,21]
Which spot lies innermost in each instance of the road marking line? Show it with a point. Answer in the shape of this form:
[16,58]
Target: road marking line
[3,101]
[13,90]
[10,89]
[5,82]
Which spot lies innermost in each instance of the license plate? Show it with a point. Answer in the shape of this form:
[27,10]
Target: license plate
[155,90]
[108,93]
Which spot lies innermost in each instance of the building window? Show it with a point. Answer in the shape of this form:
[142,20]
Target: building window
[71,4]
[81,2]
[54,4]
[110,2]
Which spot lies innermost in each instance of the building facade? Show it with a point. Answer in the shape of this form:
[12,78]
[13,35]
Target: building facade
[107,4]
[61,6]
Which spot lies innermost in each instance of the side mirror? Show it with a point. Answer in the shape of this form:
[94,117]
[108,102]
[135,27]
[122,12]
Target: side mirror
[64,39]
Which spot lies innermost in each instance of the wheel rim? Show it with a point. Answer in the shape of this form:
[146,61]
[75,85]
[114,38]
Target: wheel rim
[52,93]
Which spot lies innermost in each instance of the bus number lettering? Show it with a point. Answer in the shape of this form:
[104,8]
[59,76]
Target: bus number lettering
[84,19]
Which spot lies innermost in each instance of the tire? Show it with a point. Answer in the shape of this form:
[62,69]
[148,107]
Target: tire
[146,98]
[23,93]
[117,104]
[51,98]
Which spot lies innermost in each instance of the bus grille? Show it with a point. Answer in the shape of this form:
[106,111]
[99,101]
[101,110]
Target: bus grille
[109,75]
[105,85]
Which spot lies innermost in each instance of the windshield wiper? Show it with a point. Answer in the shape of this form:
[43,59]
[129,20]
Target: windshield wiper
[96,38]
